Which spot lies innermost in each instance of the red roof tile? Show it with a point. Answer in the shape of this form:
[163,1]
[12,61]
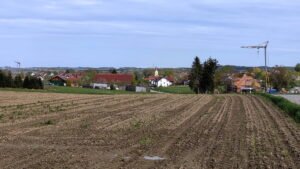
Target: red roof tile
[113,78]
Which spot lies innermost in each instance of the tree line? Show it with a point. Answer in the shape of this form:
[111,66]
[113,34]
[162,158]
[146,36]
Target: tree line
[201,78]
[29,82]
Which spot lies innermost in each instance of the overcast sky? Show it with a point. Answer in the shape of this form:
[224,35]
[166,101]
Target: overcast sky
[147,33]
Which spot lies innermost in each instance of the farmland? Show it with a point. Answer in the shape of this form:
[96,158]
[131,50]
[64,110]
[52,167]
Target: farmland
[51,130]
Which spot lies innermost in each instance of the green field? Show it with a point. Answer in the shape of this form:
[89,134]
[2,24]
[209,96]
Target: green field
[175,90]
[75,90]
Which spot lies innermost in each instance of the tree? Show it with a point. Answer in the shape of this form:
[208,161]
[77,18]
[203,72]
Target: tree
[88,77]
[40,83]
[208,76]
[280,78]
[148,72]
[223,79]
[18,82]
[2,78]
[258,73]
[33,83]
[297,67]
[26,82]
[113,71]
[195,75]
[9,80]
[112,87]
[70,71]
[168,73]
[69,83]
[222,75]
[6,79]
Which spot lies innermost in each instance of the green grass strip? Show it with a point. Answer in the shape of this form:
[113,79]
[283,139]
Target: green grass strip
[292,109]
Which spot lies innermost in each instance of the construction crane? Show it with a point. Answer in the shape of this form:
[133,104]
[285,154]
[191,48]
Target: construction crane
[19,65]
[262,46]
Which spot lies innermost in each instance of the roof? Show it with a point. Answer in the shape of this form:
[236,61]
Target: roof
[68,76]
[246,81]
[113,78]
[58,77]
[155,78]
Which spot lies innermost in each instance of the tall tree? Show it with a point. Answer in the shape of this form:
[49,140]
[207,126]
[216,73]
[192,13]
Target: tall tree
[40,83]
[114,71]
[297,67]
[26,83]
[208,76]
[2,78]
[195,75]
[18,82]
[9,80]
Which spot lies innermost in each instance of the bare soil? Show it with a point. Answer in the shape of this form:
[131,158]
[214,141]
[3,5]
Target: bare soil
[172,131]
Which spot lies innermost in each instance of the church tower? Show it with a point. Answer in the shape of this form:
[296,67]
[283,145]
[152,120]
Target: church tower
[156,73]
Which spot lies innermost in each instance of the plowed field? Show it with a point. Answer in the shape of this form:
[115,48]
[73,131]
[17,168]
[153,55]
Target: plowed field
[128,131]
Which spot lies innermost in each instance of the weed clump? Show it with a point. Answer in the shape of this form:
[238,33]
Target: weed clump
[48,122]
[137,124]
[145,141]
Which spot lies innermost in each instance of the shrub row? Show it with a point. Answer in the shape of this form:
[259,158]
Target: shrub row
[7,81]
[292,109]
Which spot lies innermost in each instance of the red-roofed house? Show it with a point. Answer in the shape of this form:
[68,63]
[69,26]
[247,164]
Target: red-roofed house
[246,83]
[109,78]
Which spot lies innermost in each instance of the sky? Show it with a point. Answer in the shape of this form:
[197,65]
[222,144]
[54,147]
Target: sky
[147,33]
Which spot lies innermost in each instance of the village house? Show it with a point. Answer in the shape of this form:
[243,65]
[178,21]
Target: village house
[246,84]
[67,79]
[158,81]
[104,80]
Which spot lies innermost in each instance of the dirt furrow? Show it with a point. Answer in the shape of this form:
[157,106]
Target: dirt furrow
[269,149]
[282,136]
[187,131]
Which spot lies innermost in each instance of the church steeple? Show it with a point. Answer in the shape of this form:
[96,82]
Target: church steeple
[156,73]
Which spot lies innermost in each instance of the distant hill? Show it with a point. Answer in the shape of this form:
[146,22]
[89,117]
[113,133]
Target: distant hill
[121,69]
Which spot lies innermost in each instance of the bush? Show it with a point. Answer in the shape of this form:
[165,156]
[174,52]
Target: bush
[292,109]
[33,83]
[112,87]
[297,117]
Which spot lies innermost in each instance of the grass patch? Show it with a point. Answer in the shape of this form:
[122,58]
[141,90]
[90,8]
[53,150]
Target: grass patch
[292,109]
[175,90]
[70,90]
[137,124]
[1,116]
[145,141]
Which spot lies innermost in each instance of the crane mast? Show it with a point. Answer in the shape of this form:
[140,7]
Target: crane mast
[19,65]
[262,46]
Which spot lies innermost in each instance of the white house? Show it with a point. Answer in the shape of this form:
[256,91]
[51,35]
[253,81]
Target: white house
[163,82]
[160,82]
[99,86]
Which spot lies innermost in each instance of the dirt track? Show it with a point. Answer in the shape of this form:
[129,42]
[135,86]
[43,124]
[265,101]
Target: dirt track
[187,131]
